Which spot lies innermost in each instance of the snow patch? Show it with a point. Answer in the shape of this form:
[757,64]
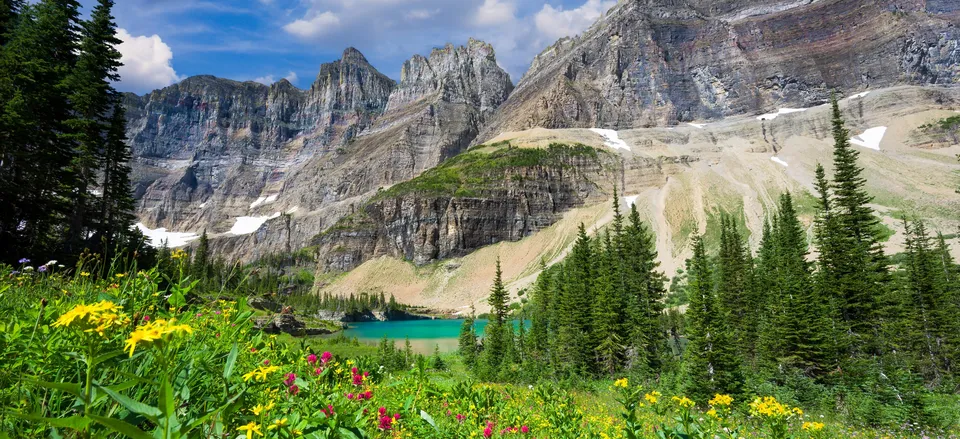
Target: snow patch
[611,138]
[203,204]
[697,125]
[258,202]
[293,210]
[173,239]
[631,200]
[772,116]
[271,199]
[246,225]
[780,161]
[870,138]
[858,95]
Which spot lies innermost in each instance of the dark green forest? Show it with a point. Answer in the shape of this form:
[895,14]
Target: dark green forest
[64,171]
[819,313]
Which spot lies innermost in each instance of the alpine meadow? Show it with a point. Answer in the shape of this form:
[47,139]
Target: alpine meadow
[685,219]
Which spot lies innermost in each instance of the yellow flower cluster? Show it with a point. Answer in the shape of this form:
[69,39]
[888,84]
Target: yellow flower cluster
[98,317]
[279,423]
[652,397]
[250,429]
[622,382]
[721,400]
[154,331]
[260,373]
[812,426]
[683,402]
[768,406]
[178,254]
[260,408]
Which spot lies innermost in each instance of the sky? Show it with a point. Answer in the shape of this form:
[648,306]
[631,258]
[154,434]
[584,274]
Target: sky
[165,41]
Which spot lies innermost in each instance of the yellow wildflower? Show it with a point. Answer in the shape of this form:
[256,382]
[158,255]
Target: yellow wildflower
[768,406]
[260,374]
[812,426]
[84,274]
[119,275]
[721,400]
[652,397]
[622,382]
[713,413]
[154,331]
[98,317]
[250,429]
[277,424]
[683,402]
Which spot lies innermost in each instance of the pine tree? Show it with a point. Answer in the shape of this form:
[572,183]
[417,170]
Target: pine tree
[92,98]
[9,13]
[36,154]
[711,365]
[733,285]
[468,343]
[861,267]
[117,203]
[606,310]
[201,258]
[438,363]
[575,301]
[645,291]
[542,307]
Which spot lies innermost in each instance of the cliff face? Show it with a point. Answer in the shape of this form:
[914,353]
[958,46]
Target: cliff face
[654,63]
[479,198]
[208,150]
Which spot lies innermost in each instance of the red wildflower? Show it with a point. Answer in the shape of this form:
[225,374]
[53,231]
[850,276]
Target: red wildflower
[291,377]
[524,429]
[312,358]
[294,389]
[487,432]
[326,357]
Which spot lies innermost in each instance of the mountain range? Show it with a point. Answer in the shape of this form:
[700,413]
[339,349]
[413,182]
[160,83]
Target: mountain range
[686,108]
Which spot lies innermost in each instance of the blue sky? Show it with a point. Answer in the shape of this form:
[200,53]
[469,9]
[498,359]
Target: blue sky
[266,40]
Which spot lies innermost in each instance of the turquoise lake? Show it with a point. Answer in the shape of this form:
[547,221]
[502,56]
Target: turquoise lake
[424,334]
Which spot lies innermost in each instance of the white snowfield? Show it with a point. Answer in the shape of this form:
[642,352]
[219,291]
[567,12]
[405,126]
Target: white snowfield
[780,161]
[858,95]
[772,116]
[631,200]
[697,125]
[264,200]
[870,138]
[293,210]
[203,204]
[173,239]
[611,138]
[246,225]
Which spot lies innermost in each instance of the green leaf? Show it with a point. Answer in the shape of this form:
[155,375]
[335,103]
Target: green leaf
[231,360]
[122,427]
[408,403]
[351,433]
[133,405]
[426,417]
[166,398]
[203,419]
[73,422]
[72,388]
[101,358]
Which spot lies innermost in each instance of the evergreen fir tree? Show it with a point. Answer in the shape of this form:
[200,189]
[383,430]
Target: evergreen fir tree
[9,12]
[645,289]
[542,305]
[438,363]
[733,285]
[496,334]
[468,343]
[861,270]
[117,203]
[201,258]
[574,330]
[606,310]
[711,365]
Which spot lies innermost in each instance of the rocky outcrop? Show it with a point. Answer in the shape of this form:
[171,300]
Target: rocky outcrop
[208,150]
[477,199]
[655,63]
[289,324]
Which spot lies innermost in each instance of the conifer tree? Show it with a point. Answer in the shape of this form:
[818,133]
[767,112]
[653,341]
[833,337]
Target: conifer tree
[468,342]
[606,310]
[645,292]
[201,257]
[861,267]
[733,285]
[117,203]
[710,361]
[542,306]
[496,335]
[9,12]
[574,305]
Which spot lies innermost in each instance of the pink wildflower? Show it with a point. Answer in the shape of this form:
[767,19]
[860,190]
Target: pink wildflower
[312,359]
[146,318]
[487,432]
[291,377]
[294,389]
[460,418]
[350,396]
[524,429]
[326,357]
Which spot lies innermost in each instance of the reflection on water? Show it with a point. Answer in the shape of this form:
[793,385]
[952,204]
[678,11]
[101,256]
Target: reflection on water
[424,335]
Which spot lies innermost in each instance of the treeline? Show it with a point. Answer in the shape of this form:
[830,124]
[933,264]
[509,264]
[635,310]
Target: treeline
[843,330]
[64,171]
[350,305]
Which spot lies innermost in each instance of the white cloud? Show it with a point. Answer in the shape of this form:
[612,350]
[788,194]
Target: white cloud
[317,25]
[555,23]
[494,13]
[421,14]
[146,62]
[270,79]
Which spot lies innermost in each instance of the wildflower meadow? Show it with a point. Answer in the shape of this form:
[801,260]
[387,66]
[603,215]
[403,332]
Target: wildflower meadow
[127,355]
